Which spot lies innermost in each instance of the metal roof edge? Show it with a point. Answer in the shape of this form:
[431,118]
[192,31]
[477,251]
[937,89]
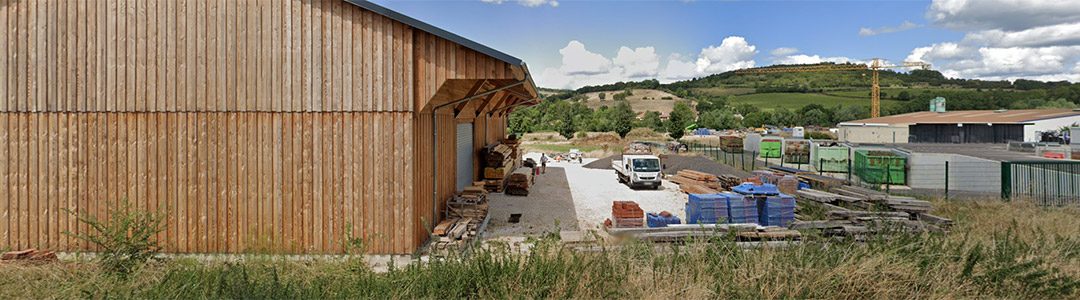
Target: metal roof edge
[1055,117]
[866,124]
[386,12]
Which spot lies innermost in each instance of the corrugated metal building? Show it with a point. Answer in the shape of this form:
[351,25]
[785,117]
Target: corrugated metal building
[968,126]
[252,126]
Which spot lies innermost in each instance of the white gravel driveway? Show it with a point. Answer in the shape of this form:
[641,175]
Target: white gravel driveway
[594,190]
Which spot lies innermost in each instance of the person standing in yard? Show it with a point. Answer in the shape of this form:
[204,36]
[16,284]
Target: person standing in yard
[543,163]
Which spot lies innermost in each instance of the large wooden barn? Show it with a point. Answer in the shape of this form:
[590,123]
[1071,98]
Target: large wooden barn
[251,126]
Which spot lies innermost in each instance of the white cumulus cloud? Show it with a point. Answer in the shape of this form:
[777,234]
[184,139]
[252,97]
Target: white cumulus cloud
[907,25]
[1058,34]
[581,67]
[1009,15]
[1006,39]
[576,60]
[784,51]
[638,62]
[802,59]
[733,53]
[678,69]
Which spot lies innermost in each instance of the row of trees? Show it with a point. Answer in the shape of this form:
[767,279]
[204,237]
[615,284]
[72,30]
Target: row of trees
[568,117]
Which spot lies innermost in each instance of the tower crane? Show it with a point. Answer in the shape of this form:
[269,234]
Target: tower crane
[874,65]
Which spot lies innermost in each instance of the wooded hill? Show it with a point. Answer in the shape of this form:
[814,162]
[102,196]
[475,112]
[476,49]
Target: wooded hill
[788,99]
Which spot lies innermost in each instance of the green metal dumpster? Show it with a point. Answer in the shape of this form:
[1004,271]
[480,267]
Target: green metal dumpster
[832,159]
[880,167]
[771,147]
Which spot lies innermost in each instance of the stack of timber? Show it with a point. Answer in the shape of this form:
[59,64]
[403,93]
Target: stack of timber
[687,232]
[694,182]
[514,143]
[454,234]
[466,215]
[731,143]
[820,181]
[470,203]
[855,211]
[519,182]
[500,160]
[627,214]
[30,255]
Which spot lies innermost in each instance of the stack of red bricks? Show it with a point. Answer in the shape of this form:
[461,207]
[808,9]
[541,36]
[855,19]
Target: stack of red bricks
[627,214]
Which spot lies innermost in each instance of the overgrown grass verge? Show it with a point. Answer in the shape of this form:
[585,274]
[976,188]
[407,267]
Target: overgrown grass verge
[996,250]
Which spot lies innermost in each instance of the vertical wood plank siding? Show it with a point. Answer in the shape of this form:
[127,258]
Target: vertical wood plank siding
[251,126]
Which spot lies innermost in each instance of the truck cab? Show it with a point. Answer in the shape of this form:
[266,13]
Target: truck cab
[638,170]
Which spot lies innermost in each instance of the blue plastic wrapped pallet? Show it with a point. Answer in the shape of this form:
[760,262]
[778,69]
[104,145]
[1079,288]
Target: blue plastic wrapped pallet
[742,209]
[747,188]
[778,210]
[656,220]
[709,200]
[707,208]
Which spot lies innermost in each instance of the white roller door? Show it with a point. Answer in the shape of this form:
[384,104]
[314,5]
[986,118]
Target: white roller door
[464,146]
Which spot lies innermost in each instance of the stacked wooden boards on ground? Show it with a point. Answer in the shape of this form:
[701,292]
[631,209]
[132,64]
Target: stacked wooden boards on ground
[31,255]
[690,232]
[500,160]
[519,182]
[695,182]
[466,214]
[856,211]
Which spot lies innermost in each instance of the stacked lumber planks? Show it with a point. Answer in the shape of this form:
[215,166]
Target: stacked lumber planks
[469,203]
[498,155]
[519,182]
[856,211]
[31,254]
[500,159]
[686,232]
[466,212]
[453,234]
[694,182]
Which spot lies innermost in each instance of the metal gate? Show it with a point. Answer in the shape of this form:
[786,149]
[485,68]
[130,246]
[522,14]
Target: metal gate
[1048,183]
[464,147]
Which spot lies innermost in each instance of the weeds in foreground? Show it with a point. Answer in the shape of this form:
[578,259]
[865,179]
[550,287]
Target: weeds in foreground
[125,239]
[1030,254]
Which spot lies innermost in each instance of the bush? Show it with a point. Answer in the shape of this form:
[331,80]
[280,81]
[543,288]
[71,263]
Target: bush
[126,238]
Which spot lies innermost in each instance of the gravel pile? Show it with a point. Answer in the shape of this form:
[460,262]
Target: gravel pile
[675,163]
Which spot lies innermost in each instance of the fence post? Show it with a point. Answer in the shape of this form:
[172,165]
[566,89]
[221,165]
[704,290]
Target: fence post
[888,178]
[753,160]
[849,167]
[1006,181]
[946,180]
[820,162]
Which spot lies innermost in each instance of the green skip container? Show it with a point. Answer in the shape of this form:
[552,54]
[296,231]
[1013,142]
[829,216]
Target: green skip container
[771,147]
[880,167]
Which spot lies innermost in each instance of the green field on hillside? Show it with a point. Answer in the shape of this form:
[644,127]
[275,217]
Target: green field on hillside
[887,93]
[794,101]
[723,91]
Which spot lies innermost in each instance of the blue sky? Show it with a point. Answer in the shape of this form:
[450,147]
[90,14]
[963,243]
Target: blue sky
[568,44]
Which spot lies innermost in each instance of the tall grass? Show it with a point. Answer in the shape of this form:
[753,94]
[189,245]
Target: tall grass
[997,250]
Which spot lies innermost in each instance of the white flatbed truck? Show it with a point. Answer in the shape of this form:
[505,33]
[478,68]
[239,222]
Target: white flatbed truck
[638,170]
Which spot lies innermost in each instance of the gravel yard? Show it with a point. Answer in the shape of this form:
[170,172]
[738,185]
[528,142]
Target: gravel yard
[578,198]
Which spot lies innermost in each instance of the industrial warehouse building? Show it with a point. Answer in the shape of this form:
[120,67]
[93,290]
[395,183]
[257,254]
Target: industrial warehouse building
[967,126]
[251,126]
